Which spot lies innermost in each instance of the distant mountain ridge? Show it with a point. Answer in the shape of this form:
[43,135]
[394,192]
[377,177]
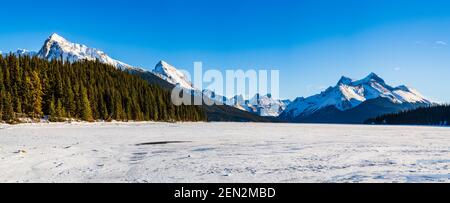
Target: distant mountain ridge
[350,95]
[262,105]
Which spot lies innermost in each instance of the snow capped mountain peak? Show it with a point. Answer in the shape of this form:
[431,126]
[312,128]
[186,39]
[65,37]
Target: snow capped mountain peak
[262,105]
[57,38]
[372,77]
[25,52]
[166,66]
[172,75]
[57,47]
[266,105]
[345,80]
[348,94]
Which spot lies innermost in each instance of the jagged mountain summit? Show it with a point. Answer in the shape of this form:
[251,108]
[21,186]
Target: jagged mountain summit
[266,105]
[262,105]
[172,75]
[349,95]
[57,47]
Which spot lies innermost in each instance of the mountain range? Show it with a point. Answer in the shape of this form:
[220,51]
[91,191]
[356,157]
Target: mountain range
[349,101]
[262,105]
[354,101]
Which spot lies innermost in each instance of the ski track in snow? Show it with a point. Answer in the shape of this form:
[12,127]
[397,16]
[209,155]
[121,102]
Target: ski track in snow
[222,152]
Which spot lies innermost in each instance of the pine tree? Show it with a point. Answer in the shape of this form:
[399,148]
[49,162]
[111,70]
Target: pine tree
[8,111]
[86,112]
[69,97]
[36,95]
[60,113]
[52,111]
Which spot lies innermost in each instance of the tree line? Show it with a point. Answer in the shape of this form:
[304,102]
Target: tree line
[433,115]
[34,88]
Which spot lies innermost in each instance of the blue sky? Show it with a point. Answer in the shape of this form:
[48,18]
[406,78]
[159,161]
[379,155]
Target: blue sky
[311,42]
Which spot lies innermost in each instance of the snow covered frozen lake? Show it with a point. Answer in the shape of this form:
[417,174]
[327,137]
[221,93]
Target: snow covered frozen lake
[222,152]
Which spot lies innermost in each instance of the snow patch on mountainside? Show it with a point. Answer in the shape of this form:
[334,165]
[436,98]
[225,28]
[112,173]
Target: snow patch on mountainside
[348,94]
[409,95]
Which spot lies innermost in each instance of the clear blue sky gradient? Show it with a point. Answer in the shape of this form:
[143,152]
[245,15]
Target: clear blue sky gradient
[311,42]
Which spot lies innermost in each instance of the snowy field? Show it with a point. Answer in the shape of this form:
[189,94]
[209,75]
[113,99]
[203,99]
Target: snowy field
[222,152]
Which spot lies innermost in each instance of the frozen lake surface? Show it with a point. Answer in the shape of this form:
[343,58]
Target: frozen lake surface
[222,152]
